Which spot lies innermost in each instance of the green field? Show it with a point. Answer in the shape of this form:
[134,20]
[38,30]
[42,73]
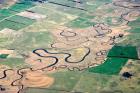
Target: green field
[32,40]
[5,13]
[19,7]
[134,30]
[117,58]
[12,62]
[131,40]
[11,25]
[78,81]
[64,2]
[21,20]
[68,81]
[135,23]
[111,66]
[53,15]
[129,52]
[42,90]
[16,22]
[134,26]
[86,16]
[42,10]
[64,9]
[90,6]
[3,56]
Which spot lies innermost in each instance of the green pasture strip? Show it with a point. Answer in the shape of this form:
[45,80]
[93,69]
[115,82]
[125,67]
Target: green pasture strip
[2,17]
[16,22]
[12,62]
[111,66]
[86,15]
[11,25]
[21,19]
[132,40]
[106,1]
[56,16]
[135,23]
[3,56]
[129,52]
[5,13]
[19,7]
[90,82]
[134,30]
[69,10]
[80,23]
[94,4]
[42,10]
[65,80]
[43,90]
[64,2]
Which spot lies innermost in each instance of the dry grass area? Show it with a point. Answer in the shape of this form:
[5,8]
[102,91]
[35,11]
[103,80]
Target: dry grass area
[74,41]
[6,82]
[120,30]
[6,52]
[29,79]
[37,79]
[38,62]
[7,32]
[32,15]
[131,16]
